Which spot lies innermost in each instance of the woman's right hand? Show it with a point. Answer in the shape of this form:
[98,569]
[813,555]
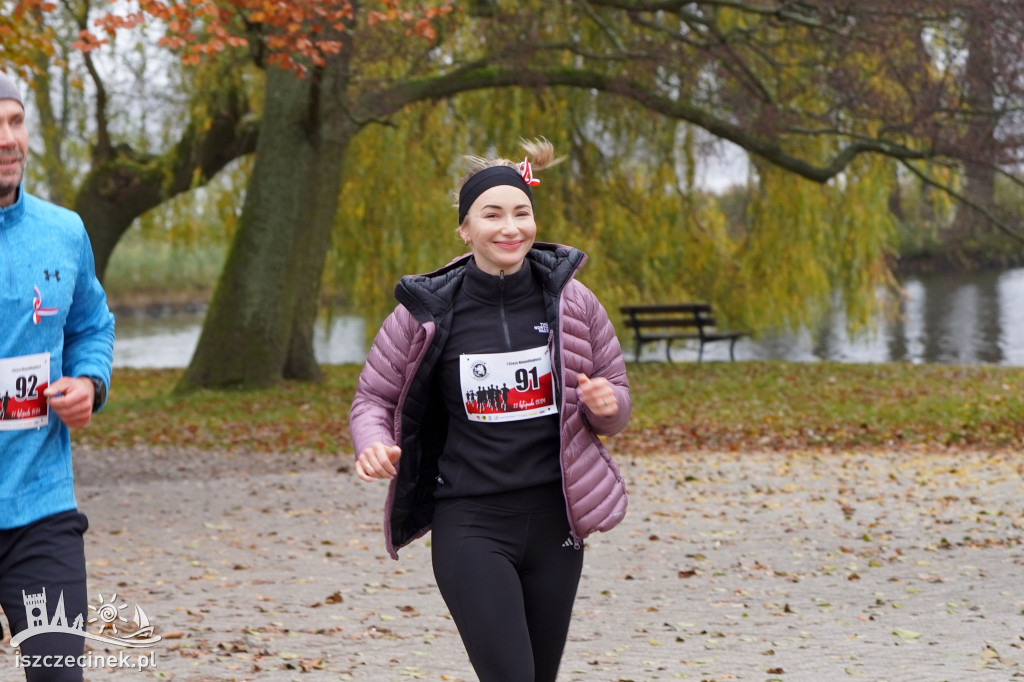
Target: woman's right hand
[378,461]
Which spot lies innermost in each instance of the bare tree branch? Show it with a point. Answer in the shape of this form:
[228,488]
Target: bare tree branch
[381,105]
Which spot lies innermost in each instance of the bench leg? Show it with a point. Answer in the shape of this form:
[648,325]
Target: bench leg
[668,350]
[700,352]
[732,344]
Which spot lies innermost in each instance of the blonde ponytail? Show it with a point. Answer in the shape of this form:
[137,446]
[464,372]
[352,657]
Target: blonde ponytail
[539,151]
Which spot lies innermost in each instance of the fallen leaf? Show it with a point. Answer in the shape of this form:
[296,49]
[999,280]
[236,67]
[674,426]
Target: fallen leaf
[907,635]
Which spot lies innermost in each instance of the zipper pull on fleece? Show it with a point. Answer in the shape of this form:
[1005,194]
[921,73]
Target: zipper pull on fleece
[501,309]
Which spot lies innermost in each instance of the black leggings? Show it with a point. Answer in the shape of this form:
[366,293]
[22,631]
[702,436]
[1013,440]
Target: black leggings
[508,571]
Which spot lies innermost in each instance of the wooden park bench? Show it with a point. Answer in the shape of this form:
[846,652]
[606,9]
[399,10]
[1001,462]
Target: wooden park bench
[673,322]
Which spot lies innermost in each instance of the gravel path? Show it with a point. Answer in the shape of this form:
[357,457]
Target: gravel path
[729,566]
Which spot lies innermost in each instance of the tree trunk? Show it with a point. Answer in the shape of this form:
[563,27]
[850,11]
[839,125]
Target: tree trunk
[259,328]
[979,144]
[121,188]
[110,199]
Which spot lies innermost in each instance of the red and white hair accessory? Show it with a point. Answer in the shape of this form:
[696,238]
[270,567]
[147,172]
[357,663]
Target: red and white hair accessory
[527,172]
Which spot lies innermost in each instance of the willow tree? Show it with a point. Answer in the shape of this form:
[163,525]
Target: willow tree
[807,88]
[809,100]
[628,197]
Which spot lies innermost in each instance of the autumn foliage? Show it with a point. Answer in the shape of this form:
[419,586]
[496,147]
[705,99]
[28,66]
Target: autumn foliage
[22,31]
[294,34]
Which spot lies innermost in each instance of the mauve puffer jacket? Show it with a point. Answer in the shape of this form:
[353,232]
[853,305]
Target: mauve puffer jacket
[394,403]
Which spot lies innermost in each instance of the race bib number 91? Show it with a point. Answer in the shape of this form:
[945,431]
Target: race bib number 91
[22,382]
[501,387]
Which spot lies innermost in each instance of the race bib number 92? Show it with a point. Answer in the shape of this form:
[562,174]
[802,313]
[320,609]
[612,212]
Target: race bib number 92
[22,382]
[501,387]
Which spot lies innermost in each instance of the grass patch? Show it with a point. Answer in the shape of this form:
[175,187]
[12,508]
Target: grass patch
[779,405]
[144,270]
[143,410]
[678,407]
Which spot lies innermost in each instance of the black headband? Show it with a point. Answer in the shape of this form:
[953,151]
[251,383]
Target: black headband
[486,179]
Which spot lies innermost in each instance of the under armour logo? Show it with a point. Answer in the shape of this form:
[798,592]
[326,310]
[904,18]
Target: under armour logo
[56,275]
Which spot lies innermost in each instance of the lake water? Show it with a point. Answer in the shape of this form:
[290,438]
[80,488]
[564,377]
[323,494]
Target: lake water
[168,340]
[968,318]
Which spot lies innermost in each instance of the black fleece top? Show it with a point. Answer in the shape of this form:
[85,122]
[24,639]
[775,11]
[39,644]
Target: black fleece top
[494,315]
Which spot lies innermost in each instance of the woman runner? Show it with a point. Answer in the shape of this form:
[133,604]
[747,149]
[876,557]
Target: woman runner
[482,400]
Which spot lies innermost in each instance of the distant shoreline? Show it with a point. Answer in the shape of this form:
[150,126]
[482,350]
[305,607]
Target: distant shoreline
[951,263]
[154,308]
[160,302]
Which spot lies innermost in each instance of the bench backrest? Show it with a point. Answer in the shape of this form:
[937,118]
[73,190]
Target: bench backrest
[669,315]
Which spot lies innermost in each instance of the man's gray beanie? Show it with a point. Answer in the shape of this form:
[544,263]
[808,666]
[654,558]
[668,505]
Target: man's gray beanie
[8,90]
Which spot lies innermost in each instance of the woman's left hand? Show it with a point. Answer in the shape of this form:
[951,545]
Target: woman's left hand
[598,396]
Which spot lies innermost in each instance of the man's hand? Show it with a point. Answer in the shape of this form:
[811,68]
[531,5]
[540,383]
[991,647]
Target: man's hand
[71,399]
